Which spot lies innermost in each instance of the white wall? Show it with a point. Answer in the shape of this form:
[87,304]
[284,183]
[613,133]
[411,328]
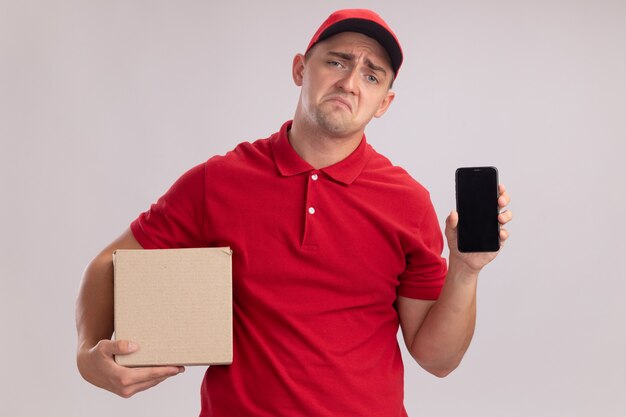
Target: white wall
[104,103]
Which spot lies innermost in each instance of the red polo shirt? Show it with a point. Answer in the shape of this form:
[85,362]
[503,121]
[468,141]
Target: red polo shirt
[319,257]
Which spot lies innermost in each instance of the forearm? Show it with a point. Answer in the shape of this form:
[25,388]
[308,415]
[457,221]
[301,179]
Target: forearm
[446,332]
[94,305]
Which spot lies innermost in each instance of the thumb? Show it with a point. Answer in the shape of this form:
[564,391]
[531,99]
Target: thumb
[452,221]
[121,347]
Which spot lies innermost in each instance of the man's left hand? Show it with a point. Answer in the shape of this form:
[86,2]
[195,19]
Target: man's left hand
[474,262]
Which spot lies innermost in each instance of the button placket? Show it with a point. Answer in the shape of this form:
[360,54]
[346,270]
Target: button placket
[309,242]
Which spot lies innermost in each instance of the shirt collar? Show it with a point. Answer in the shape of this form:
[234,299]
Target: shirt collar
[289,163]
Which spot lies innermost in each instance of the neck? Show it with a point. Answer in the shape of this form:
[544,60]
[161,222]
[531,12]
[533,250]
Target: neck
[320,149]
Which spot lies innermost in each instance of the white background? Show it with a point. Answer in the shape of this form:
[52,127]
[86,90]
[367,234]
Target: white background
[103,104]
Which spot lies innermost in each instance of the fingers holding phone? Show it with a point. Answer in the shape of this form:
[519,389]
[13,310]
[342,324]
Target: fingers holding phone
[505,215]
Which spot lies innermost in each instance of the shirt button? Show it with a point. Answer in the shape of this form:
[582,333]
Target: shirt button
[314,177]
[311,210]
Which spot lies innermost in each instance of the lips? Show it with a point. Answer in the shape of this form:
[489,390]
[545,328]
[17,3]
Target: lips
[340,100]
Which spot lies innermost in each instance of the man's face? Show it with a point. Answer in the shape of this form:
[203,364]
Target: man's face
[345,82]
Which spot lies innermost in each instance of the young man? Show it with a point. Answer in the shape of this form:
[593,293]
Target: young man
[333,249]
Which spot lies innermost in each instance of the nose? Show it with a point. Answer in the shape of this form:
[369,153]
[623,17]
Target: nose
[349,81]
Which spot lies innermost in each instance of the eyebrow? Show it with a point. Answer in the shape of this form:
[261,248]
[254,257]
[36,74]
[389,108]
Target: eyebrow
[352,57]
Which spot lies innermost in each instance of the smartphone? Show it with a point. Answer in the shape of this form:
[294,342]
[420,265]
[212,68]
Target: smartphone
[477,205]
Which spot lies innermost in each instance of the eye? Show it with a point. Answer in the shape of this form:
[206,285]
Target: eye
[372,79]
[336,64]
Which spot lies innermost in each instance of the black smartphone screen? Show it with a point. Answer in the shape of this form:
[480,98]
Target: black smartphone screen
[477,205]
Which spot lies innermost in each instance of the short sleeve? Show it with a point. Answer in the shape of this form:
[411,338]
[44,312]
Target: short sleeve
[426,269]
[176,219]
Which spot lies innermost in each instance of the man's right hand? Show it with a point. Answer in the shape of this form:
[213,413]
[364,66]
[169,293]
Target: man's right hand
[98,366]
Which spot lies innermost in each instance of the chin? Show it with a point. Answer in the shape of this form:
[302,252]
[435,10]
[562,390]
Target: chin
[334,124]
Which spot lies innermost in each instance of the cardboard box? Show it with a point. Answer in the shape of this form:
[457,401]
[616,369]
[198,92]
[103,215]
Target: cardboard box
[176,304]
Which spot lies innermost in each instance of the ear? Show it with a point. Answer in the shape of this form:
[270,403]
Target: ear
[384,105]
[297,69]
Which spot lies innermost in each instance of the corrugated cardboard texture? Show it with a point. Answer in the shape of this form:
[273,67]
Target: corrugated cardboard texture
[176,304]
